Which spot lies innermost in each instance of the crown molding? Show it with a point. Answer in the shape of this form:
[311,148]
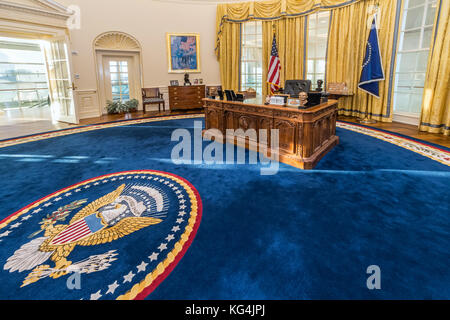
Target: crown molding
[58,13]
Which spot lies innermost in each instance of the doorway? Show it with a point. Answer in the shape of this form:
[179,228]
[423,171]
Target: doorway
[24,93]
[119,77]
[35,81]
[118,73]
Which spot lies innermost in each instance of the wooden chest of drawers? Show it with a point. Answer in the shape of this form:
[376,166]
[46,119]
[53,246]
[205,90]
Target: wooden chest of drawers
[186,97]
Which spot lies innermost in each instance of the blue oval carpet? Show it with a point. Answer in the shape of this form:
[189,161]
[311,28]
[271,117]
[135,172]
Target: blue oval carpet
[102,212]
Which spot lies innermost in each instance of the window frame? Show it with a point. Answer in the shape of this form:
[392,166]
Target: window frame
[314,75]
[409,89]
[243,75]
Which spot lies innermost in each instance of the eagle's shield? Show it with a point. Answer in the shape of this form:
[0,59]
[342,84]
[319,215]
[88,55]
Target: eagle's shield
[79,230]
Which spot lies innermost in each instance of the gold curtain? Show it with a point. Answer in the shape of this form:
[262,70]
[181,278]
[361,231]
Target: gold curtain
[348,35]
[435,115]
[229,53]
[270,10]
[290,44]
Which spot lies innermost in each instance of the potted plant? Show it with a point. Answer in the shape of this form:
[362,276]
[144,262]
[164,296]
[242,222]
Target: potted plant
[118,106]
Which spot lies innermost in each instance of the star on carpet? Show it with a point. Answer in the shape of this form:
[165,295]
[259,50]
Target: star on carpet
[15,225]
[112,287]
[154,256]
[96,296]
[4,234]
[128,277]
[142,266]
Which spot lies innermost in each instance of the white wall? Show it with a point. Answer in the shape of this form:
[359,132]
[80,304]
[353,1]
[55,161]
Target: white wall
[147,21]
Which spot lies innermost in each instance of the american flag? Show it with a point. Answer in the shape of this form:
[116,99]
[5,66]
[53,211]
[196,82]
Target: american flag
[273,76]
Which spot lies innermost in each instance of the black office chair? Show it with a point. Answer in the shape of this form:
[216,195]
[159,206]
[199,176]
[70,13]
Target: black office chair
[231,95]
[294,87]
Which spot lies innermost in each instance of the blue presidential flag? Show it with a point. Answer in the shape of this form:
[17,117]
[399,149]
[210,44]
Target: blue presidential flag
[372,68]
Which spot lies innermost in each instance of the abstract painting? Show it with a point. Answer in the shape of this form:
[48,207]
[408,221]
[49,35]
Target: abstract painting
[183,52]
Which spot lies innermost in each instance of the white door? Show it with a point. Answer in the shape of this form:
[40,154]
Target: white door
[60,81]
[119,78]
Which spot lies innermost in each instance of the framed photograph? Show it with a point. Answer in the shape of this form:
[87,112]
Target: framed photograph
[183,52]
[293,102]
[195,81]
[213,90]
[174,83]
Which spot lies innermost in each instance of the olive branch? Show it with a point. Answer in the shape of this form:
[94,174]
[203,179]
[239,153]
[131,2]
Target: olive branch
[59,215]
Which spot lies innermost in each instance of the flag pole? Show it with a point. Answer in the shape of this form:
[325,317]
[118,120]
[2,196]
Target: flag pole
[366,119]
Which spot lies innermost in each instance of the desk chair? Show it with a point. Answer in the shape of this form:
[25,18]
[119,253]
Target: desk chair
[152,96]
[294,87]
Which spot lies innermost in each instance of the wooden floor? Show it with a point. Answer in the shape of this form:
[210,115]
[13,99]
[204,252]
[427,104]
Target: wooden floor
[135,115]
[407,130]
[397,127]
[10,130]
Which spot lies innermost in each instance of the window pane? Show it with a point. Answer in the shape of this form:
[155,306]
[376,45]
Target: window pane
[125,89]
[115,89]
[431,12]
[321,50]
[422,60]
[250,40]
[415,3]
[310,66]
[407,61]
[414,18]
[411,40]
[419,80]
[320,66]
[311,50]
[426,41]
[123,68]
[250,28]
[402,101]
[405,79]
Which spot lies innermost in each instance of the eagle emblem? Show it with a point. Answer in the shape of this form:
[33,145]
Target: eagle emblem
[127,209]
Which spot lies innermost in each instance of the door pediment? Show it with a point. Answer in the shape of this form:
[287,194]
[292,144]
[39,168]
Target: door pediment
[36,7]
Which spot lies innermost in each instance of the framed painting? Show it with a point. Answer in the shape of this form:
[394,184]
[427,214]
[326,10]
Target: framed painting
[183,52]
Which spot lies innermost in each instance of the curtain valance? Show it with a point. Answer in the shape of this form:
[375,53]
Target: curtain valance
[271,10]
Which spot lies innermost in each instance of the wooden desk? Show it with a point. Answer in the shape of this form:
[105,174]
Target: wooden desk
[305,135]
